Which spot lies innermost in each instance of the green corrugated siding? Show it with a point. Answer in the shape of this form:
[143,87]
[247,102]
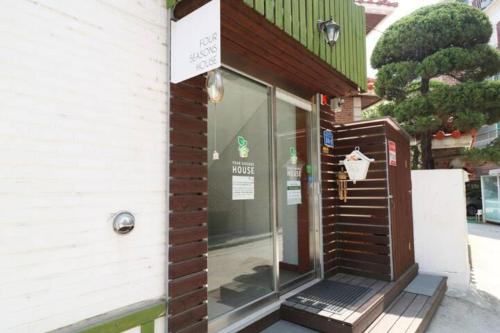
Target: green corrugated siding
[298,19]
[143,318]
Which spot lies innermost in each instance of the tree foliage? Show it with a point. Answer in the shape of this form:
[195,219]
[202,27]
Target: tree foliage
[429,30]
[491,153]
[414,55]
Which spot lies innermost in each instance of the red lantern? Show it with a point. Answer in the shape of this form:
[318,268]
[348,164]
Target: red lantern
[456,134]
[324,99]
[439,135]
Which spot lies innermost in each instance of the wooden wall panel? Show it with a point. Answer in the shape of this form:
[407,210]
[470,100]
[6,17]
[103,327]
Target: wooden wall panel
[253,45]
[356,233]
[188,232]
[372,233]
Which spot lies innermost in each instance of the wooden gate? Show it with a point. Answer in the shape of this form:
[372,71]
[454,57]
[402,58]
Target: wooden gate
[372,233]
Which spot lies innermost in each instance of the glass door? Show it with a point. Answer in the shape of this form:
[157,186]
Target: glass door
[240,233]
[260,181]
[295,185]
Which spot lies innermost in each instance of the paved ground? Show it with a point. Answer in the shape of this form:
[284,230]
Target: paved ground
[478,310]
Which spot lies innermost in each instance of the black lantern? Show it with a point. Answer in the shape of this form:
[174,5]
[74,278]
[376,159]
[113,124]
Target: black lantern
[330,30]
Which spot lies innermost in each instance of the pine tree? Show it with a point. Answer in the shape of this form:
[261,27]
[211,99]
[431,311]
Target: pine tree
[490,153]
[413,56]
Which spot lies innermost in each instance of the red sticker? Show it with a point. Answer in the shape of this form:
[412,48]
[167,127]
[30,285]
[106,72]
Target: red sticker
[392,153]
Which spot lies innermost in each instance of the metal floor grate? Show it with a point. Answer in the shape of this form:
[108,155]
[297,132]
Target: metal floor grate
[331,296]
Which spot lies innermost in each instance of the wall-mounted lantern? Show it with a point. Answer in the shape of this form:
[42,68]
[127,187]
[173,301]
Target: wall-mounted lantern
[336,104]
[215,91]
[330,30]
[215,86]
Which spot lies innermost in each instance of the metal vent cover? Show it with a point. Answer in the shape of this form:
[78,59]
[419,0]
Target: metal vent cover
[330,296]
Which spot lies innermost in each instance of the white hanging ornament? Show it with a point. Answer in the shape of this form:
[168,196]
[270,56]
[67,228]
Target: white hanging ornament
[215,155]
[357,164]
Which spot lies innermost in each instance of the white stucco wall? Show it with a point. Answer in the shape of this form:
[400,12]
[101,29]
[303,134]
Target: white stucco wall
[493,12]
[83,135]
[440,225]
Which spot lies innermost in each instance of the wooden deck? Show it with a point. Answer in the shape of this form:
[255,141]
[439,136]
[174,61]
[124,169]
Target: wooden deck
[406,305]
[355,316]
[413,309]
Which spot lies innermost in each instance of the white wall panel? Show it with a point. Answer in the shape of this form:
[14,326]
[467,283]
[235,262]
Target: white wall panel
[83,135]
[440,225]
[493,12]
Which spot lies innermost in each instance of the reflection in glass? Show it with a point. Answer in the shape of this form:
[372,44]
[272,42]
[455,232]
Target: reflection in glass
[293,175]
[491,192]
[240,246]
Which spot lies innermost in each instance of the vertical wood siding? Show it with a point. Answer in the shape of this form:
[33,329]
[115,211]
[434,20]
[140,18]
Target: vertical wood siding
[298,18]
[188,203]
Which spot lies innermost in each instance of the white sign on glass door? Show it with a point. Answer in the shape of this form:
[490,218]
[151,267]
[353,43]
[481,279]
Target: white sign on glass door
[196,46]
[243,180]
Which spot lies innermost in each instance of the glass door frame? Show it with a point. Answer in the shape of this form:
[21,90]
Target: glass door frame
[313,152]
[220,323]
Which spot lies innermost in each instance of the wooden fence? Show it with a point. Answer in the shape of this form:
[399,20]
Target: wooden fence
[372,233]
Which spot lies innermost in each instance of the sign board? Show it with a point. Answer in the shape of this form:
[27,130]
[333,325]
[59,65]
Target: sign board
[243,188]
[392,153]
[196,43]
[293,193]
[328,138]
[243,182]
[293,186]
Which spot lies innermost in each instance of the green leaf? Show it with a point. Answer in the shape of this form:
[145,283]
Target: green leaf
[171,3]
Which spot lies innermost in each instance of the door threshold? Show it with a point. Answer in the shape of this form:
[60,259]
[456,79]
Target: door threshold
[297,282]
[258,314]
[297,290]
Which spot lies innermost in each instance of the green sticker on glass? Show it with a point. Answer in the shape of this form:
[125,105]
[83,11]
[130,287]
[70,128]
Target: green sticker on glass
[293,155]
[309,168]
[243,147]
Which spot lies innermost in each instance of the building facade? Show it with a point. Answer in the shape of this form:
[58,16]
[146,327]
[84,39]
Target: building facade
[245,171]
